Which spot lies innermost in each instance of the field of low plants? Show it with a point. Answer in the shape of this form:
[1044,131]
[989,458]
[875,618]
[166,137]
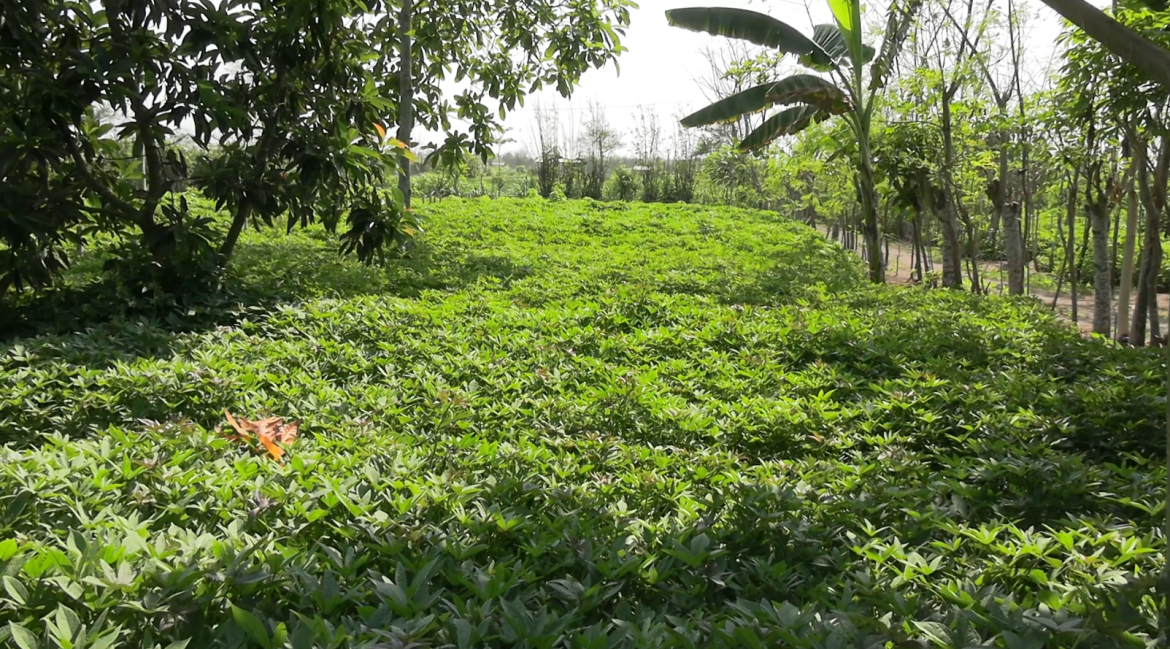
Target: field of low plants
[575,424]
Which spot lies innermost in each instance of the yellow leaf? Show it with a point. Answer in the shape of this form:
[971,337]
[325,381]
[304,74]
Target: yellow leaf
[381,129]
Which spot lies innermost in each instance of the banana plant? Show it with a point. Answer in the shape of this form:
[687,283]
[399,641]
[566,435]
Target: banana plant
[834,49]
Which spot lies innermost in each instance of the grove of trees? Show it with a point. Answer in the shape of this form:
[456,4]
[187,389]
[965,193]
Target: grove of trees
[275,109]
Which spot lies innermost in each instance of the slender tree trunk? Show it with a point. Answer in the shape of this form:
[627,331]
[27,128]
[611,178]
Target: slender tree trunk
[1013,247]
[1102,284]
[869,216]
[1151,254]
[1071,249]
[919,248]
[239,220]
[952,243]
[1155,266]
[1127,255]
[405,93]
[973,241]
[1137,328]
[998,191]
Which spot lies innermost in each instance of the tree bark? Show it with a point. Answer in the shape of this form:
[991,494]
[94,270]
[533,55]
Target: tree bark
[1071,251]
[405,93]
[952,243]
[869,216]
[1127,255]
[1098,208]
[1013,248]
[239,220]
[1154,201]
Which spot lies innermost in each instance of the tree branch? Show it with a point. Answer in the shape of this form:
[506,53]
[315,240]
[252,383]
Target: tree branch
[1125,43]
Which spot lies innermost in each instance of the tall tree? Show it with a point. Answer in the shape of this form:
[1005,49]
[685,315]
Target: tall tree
[498,53]
[284,90]
[837,49]
[405,91]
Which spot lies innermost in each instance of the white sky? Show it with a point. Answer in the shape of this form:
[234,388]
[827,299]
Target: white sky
[661,63]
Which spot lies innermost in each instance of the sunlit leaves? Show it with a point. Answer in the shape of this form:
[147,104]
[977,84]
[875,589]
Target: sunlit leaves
[848,16]
[583,424]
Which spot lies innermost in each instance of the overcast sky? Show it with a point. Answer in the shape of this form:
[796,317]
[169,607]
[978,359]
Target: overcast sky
[662,62]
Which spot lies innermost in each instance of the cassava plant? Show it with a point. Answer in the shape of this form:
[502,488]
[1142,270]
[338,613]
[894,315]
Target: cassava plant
[836,50]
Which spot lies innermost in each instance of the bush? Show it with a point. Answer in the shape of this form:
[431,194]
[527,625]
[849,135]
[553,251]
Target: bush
[622,185]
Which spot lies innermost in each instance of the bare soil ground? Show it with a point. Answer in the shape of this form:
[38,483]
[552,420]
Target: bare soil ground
[899,268]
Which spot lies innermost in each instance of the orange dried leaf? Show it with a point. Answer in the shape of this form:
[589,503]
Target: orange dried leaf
[268,432]
[235,425]
[287,433]
[275,451]
[380,129]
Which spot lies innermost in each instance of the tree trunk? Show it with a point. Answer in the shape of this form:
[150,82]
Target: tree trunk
[952,243]
[239,220]
[1155,266]
[1146,304]
[997,192]
[1071,249]
[1131,227]
[869,216]
[1102,284]
[405,93]
[973,242]
[1013,248]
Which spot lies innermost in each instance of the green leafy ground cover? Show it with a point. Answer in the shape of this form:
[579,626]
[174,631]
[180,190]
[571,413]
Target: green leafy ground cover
[580,425]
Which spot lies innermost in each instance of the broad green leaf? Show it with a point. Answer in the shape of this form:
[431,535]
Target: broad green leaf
[799,88]
[751,100]
[252,626]
[751,26]
[15,590]
[23,638]
[843,12]
[848,15]
[830,39]
[787,122]
[811,90]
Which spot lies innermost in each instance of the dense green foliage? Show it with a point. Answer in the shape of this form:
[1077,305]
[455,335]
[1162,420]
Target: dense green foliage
[585,425]
[280,104]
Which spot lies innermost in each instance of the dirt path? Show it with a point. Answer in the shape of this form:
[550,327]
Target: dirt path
[899,269]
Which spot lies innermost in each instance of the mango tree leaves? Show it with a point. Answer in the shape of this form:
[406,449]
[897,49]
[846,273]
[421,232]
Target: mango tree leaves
[499,51]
